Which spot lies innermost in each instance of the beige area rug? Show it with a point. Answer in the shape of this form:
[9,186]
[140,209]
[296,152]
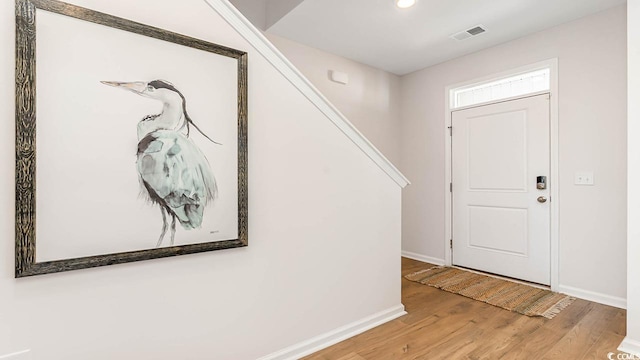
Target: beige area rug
[520,298]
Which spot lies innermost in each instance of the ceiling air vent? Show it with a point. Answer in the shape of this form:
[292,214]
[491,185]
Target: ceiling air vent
[463,35]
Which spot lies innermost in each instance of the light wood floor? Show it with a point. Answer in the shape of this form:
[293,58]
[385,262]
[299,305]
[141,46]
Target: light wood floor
[440,325]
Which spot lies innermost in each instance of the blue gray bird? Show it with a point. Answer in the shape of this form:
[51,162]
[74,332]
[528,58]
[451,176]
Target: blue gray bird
[173,171]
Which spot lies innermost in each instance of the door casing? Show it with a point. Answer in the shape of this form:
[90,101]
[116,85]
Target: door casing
[552,64]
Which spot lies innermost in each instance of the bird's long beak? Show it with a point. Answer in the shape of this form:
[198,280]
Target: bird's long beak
[137,87]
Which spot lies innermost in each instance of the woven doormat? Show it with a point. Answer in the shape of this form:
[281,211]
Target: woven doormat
[520,298]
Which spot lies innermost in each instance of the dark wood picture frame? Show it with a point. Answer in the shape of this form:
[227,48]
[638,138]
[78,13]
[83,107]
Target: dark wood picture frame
[25,235]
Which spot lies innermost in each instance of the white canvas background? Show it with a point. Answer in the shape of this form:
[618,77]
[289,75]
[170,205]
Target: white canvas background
[88,194]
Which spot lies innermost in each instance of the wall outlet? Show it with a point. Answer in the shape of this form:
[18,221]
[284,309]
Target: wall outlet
[584,178]
[20,355]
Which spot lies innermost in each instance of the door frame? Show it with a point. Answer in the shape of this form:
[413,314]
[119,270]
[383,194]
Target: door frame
[552,64]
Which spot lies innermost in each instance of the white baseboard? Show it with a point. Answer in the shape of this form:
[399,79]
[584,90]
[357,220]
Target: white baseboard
[630,346]
[594,296]
[423,258]
[335,336]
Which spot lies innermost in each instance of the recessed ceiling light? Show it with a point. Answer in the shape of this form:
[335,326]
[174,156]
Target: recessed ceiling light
[403,4]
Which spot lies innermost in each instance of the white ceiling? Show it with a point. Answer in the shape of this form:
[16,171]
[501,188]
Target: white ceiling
[401,41]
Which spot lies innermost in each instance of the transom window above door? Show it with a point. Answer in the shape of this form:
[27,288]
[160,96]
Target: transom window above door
[504,88]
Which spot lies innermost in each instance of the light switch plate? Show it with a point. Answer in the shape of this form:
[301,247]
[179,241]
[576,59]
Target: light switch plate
[20,355]
[584,178]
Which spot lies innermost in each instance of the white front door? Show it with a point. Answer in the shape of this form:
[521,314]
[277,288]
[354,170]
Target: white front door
[501,220]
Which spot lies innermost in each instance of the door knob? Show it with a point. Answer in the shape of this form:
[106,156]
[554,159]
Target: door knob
[542,199]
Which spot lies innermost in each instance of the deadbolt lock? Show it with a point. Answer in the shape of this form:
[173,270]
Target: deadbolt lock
[541,182]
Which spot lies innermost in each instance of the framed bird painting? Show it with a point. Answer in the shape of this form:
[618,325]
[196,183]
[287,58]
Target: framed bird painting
[131,141]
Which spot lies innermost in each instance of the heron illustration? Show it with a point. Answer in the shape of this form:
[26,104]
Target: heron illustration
[173,171]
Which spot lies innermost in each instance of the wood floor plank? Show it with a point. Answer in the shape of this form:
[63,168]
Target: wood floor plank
[608,343]
[617,322]
[424,334]
[351,356]
[577,341]
[373,336]
[530,346]
[503,336]
[441,325]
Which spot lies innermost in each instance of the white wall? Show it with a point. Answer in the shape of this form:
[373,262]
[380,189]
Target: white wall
[632,341]
[277,9]
[265,13]
[255,11]
[324,237]
[371,100]
[592,120]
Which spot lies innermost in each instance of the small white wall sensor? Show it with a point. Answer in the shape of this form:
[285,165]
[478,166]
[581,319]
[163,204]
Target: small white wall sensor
[339,77]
